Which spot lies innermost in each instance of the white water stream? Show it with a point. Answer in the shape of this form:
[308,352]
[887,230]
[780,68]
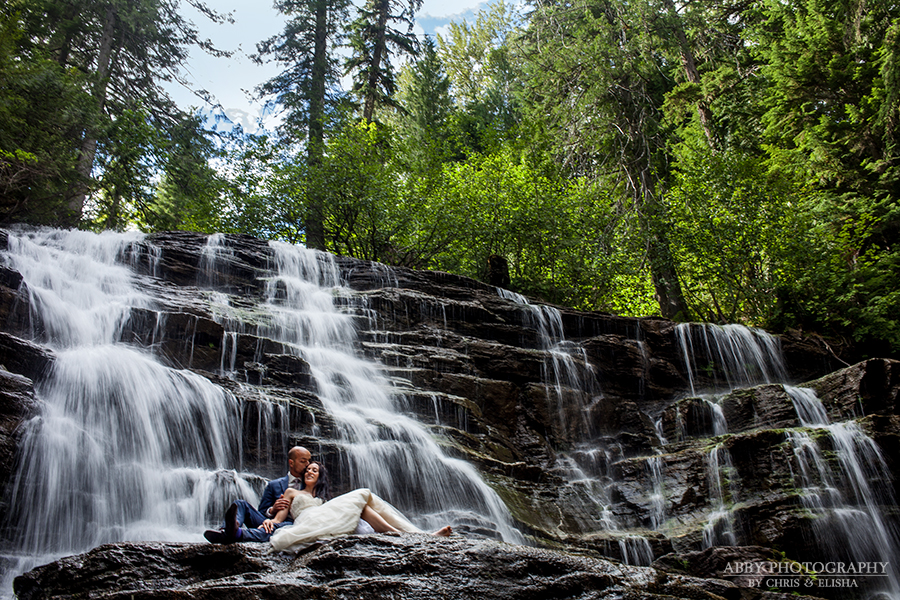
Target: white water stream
[732,356]
[846,492]
[571,387]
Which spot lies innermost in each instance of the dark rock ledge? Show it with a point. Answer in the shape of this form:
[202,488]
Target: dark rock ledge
[399,567]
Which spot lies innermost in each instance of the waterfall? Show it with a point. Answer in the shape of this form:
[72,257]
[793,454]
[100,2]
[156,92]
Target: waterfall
[720,423]
[125,448]
[658,496]
[387,451]
[727,357]
[636,550]
[847,492]
[569,377]
[571,383]
[129,448]
[719,529]
[731,356]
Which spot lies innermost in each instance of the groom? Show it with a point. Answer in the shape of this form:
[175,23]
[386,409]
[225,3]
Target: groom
[242,521]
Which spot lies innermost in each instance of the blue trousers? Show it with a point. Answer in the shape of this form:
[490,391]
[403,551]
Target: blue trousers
[249,519]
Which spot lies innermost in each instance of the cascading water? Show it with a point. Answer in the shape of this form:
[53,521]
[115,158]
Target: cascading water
[390,453]
[566,368]
[658,495]
[127,448]
[144,450]
[731,356]
[727,357]
[847,492]
[719,529]
[572,386]
[266,421]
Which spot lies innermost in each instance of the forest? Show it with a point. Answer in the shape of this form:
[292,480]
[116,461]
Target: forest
[703,160]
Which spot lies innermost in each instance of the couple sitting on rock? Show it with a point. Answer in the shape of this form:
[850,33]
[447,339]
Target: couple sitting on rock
[297,510]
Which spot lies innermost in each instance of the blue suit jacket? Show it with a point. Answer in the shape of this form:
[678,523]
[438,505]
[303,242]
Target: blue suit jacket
[273,490]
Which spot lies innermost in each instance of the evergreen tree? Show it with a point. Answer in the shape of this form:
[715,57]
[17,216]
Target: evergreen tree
[125,51]
[485,78]
[425,99]
[597,80]
[188,195]
[373,39]
[42,111]
[306,88]
[832,110]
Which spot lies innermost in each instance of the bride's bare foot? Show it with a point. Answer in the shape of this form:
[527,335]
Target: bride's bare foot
[443,531]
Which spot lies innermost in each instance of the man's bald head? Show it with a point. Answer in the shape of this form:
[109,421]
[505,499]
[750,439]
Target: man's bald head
[298,460]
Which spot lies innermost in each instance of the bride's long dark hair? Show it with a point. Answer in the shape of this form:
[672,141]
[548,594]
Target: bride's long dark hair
[320,490]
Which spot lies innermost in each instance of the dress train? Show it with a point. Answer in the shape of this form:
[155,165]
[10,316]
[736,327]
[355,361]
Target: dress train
[314,520]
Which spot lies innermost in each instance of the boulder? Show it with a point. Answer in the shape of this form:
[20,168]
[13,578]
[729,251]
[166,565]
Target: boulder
[395,567]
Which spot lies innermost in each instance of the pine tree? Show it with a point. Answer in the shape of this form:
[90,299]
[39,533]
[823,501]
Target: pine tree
[306,88]
[427,107]
[126,50]
[597,80]
[372,42]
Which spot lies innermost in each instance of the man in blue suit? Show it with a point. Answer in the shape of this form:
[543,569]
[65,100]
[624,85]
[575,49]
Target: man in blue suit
[242,521]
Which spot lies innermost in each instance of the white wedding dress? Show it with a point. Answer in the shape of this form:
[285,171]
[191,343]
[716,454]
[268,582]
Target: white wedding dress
[314,519]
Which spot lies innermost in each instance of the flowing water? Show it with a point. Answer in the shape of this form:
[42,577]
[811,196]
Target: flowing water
[569,377]
[719,529]
[656,467]
[847,491]
[724,357]
[129,448]
[571,388]
[390,453]
[126,448]
[730,356]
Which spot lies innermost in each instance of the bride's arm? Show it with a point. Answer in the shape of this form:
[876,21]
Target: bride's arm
[281,515]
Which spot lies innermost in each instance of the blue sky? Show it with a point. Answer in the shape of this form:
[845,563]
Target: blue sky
[232,80]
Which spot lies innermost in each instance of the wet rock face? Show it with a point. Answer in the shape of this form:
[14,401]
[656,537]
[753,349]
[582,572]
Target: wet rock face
[17,404]
[474,366]
[395,567]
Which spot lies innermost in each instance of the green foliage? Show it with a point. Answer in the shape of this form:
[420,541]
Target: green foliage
[188,195]
[265,191]
[732,235]
[359,190]
[831,109]
[127,156]
[597,79]
[548,229]
[85,98]
[423,123]
[42,107]
[717,159]
[478,56]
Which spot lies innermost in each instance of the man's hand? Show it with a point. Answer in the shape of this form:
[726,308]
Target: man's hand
[281,504]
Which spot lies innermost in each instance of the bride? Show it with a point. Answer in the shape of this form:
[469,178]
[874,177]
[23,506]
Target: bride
[315,516]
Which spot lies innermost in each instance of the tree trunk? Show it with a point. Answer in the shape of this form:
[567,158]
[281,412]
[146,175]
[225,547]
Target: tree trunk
[665,280]
[377,53]
[89,143]
[62,42]
[315,222]
[663,273]
[690,71]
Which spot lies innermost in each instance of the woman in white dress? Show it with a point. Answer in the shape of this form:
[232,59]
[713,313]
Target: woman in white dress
[315,516]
